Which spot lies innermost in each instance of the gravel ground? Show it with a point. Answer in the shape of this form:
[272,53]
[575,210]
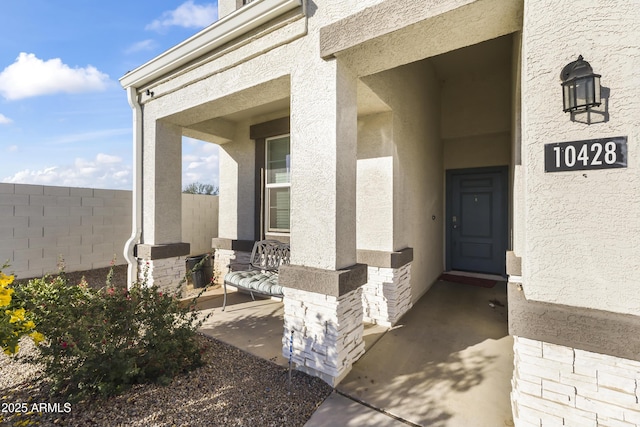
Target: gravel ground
[233,388]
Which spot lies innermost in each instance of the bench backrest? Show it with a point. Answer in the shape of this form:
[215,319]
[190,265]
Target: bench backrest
[269,255]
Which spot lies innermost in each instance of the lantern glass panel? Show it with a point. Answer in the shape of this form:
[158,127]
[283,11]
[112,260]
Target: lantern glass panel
[596,83]
[568,96]
[584,91]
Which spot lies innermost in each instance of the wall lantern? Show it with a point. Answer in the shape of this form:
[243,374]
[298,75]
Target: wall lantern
[580,86]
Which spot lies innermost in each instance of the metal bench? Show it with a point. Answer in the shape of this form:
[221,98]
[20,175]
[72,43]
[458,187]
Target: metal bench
[260,276]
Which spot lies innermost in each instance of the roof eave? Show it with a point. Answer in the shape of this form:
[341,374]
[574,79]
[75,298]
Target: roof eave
[220,32]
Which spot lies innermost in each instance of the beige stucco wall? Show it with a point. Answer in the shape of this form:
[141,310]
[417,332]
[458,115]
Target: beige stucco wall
[419,174]
[477,151]
[476,111]
[284,60]
[249,76]
[413,93]
[582,236]
[375,187]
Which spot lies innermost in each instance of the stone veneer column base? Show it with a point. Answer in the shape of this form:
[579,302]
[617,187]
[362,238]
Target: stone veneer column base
[162,265]
[554,385]
[165,273]
[387,294]
[327,332]
[224,257]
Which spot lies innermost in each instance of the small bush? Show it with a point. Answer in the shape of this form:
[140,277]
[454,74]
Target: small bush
[100,342]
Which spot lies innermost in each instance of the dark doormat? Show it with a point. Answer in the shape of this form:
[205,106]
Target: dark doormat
[473,281]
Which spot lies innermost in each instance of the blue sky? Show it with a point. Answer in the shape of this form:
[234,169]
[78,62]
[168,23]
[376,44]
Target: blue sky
[64,118]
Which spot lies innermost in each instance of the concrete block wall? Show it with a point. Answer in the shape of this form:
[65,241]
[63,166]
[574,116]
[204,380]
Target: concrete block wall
[555,385]
[85,226]
[39,224]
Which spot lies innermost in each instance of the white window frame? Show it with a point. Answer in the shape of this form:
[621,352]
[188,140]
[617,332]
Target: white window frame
[268,186]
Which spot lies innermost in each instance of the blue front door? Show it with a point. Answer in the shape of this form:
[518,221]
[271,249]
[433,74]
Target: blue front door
[477,220]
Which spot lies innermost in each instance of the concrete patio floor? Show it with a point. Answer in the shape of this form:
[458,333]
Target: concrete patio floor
[447,363]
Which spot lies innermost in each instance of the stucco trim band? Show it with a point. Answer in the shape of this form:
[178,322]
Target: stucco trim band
[271,128]
[395,15]
[169,250]
[597,331]
[327,282]
[384,259]
[232,244]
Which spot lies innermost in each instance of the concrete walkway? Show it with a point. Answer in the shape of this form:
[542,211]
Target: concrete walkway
[447,363]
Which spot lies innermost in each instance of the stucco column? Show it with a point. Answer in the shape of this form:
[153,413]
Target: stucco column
[323,167]
[160,252]
[237,190]
[322,304]
[237,199]
[162,183]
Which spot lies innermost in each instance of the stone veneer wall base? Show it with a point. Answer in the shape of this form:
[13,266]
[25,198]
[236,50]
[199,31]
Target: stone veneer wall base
[554,385]
[327,332]
[386,296]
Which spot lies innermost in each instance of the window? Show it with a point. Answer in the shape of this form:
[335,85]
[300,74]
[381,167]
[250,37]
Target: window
[246,1]
[278,184]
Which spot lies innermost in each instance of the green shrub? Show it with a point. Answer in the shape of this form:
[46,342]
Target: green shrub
[100,342]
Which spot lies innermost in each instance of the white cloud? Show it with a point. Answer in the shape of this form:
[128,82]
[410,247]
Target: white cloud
[4,120]
[187,15]
[105,171]
[12,148]
[140,46]
[30,76]
[107,159]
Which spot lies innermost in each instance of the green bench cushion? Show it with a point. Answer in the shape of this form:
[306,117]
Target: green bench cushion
[260,281]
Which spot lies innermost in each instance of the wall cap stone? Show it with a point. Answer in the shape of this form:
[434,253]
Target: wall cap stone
[232,244]
[385,259]
[168,250]
[327,282]
[597,331]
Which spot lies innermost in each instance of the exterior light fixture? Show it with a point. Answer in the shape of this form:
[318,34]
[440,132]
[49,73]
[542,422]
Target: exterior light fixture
[580,86]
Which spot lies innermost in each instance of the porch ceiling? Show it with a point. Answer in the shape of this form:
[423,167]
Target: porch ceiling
[255,100]
[215,120]
[474,59]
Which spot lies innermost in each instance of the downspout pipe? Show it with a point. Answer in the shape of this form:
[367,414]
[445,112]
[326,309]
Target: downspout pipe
[136,222]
